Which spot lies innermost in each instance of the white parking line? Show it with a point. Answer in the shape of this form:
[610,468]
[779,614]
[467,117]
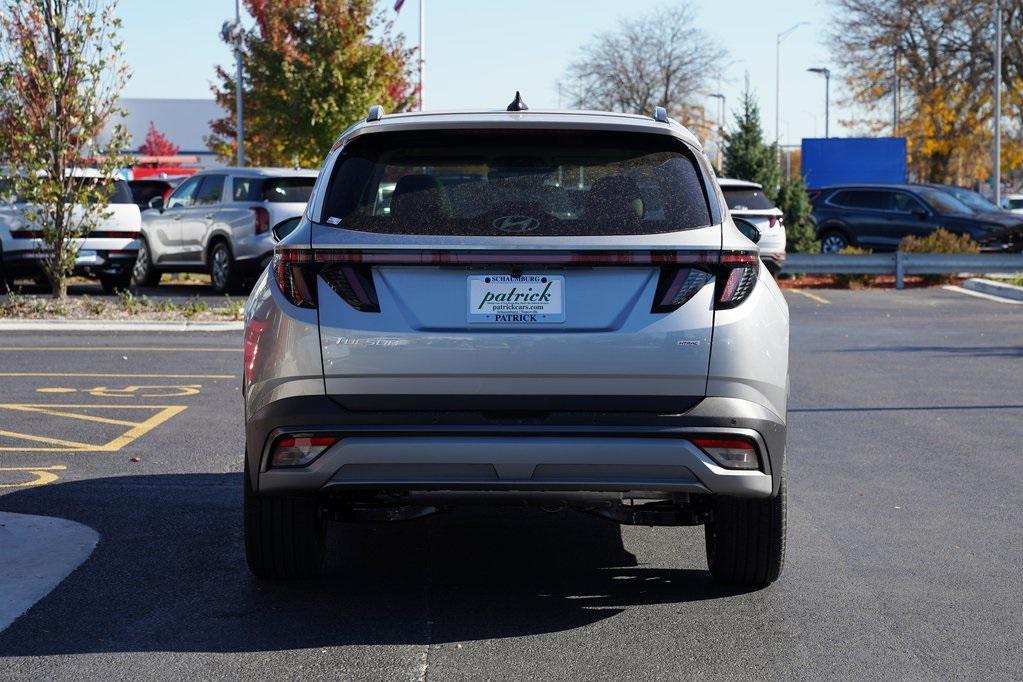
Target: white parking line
[36,554]
[810,295]
[981,294]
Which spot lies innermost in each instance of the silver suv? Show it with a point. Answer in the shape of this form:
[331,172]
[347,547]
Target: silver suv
[542,307]
[219,222]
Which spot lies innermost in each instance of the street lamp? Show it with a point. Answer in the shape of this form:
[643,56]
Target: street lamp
[235,31]
[997,161]
[777,79]
[827,95]
[721,126]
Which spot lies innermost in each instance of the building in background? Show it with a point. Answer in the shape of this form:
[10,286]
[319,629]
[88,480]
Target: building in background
[185,122]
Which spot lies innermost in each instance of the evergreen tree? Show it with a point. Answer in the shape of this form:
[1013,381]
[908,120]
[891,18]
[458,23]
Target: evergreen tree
[801,236]
[747,156]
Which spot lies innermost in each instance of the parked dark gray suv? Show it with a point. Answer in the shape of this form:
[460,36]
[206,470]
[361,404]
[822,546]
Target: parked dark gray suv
[879,216]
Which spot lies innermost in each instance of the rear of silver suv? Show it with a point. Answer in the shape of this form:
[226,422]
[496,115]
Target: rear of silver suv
[533,306]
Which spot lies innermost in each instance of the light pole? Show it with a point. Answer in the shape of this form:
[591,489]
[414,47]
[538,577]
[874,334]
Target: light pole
[777,79]
[721,127]
[998,104]
[827,96]
[234,30]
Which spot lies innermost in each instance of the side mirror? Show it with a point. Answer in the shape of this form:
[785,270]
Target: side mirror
[748,229]
[157,203]
[921,214]
[285,227]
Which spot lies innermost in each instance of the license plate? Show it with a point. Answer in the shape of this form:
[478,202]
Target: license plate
[527,299]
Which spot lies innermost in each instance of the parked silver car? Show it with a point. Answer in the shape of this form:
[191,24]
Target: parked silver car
[747,200]
[218,222]
[547,307]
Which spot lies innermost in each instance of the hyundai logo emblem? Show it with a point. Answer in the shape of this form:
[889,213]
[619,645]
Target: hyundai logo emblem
[516,224]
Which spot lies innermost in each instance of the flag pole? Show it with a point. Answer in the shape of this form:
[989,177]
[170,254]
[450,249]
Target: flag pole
[422,52]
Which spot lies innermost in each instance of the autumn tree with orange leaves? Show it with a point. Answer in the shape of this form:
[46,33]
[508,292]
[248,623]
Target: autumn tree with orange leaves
[311,69]
[941,52]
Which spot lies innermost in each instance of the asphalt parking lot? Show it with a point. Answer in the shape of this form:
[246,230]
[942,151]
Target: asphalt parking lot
[905,553]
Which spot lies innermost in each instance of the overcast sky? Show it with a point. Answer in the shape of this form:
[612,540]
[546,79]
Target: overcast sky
[480,51]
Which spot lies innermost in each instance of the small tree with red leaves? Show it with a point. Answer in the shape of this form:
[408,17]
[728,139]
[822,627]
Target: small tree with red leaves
[157,144]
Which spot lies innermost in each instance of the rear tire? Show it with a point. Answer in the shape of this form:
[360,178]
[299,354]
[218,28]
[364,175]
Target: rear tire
[746,540]
[113,283]
[223,270]
[284,536]
[834,242]
[145,272]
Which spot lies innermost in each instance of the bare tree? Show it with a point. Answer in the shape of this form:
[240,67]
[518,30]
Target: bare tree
[661,59]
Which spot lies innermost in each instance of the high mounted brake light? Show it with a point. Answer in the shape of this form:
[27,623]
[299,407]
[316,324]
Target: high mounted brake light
[349,274]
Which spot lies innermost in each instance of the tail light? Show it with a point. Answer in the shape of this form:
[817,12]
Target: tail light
[298,451]
[736,278]
[349,273]
[771,220]
[730,452]
[262,219]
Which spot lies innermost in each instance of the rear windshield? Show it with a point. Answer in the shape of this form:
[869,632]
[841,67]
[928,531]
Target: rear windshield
[274,190]
[746,199]
[120,193]
[519,183]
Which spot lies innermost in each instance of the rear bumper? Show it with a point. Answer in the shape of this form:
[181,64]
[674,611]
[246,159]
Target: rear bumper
[571,452]
[91,262]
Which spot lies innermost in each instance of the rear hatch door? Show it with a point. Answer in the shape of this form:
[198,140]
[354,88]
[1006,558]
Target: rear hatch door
[516,273]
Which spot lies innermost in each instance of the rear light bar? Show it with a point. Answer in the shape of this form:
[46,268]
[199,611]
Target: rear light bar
[730,452]
[348,273]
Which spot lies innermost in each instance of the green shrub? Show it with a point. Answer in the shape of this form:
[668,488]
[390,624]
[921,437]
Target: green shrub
[853,281]
[939,241]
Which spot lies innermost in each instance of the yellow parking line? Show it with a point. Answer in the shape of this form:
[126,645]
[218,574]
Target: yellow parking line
[98,375]
[140,349]
[74,445]
[71,415]
[812,296]
[164,412]
[143,428]
[42,475]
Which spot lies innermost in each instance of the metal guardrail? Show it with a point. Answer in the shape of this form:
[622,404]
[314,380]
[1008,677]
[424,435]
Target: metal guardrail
[901,264]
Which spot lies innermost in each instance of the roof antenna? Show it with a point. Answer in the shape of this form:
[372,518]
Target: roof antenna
[517,103]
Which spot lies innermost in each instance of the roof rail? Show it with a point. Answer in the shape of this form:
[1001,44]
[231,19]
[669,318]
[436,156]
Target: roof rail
[661,115]
[376,112]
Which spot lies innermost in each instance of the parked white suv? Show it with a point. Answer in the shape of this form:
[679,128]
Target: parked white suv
[218,222]
[543,307]
[107,252]
[747,200]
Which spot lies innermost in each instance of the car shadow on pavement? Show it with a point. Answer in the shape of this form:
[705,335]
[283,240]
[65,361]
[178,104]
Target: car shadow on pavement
[169,575]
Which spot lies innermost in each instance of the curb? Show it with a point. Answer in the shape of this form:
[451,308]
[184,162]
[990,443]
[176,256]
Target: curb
[1000,289]
[39,552]
[120,326]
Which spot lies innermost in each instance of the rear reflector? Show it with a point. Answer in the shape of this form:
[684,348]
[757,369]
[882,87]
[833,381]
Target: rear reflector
[298,451]
[731,453]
